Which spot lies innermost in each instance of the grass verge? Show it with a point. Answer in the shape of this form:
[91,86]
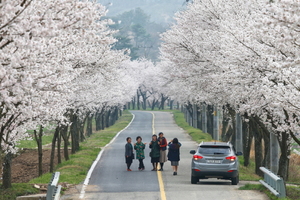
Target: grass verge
[196,134]
[293,192]
[31,143]
[18,189]
[246,173]
[75,169]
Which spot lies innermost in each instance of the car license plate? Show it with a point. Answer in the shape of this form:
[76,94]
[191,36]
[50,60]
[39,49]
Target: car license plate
[214,161]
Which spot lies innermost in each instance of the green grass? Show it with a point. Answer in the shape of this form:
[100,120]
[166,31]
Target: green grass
[31,143]
[248,173]
[258,187]
[196,134]
[293,192]
[74,170]
[18,189]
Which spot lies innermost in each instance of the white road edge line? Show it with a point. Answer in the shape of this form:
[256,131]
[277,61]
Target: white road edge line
[88,176]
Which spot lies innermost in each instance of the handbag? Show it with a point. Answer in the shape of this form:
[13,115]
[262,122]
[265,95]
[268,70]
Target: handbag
[132,156]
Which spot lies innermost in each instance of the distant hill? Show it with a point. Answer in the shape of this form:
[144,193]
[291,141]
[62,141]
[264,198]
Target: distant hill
[160,11]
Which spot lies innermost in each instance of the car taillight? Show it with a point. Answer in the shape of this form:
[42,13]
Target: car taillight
[196,157]
[231,158]
[230,171]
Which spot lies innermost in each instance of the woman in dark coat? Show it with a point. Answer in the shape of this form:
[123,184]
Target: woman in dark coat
[155,152]
[129,156]
[174,154]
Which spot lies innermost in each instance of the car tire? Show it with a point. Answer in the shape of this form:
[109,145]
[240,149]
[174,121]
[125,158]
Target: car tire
[235,180]
[194,180]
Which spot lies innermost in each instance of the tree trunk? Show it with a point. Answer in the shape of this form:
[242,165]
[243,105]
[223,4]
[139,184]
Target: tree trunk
[258,150]
[116,114]
[226,134]
[210,120]
[7,157]
[138,100]
[133,103]
[144,104]
[107,124]
[284,157]
[6,174]
[154,102]
[64,134]
[7,171]
[171,104]
[38,138]
[55,136]
[98,118]
[232,115]
[103,120]
[247,143]
[89,125]
[81,129]
[199,118]
[58,148]
[74,134]
[163,100]
[267,159]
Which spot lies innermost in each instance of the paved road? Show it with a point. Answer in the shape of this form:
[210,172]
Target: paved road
[110,180]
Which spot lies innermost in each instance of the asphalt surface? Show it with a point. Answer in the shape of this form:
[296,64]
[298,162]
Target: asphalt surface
[111,180]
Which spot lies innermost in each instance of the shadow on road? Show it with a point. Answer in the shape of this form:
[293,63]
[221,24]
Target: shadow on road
[201,182]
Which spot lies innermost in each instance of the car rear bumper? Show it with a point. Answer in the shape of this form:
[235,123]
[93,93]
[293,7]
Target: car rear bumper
[214,174]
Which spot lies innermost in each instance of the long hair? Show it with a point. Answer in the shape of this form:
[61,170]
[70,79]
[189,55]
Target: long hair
[176,143]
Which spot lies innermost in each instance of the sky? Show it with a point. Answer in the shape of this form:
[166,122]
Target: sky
[161,11]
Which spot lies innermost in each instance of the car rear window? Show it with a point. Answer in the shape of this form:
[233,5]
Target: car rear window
[214,150]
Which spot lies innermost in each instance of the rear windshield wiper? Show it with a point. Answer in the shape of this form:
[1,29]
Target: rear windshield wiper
[218,153]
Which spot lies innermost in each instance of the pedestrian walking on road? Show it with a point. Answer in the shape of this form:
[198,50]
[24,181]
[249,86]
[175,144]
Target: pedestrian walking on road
[163,147]
[154,154]
[140,155]
[129,155]
[174,154]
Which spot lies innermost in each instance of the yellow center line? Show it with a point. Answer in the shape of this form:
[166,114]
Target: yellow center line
[159,175]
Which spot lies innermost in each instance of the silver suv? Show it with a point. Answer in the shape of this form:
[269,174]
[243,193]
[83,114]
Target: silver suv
[215,160]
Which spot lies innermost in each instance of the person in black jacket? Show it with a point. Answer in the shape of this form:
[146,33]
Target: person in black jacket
[129,156]
[174,154]
[154,154]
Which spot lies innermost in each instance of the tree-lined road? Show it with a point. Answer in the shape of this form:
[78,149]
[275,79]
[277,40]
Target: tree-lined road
[110,180]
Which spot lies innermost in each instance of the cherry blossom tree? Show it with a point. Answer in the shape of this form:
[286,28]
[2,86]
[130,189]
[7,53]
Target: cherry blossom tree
[50,50]
[242,54]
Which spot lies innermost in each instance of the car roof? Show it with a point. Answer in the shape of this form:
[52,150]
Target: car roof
[215,144]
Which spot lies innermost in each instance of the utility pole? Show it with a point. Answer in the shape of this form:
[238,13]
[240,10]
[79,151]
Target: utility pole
[274,153]
[216,124]
[239,134]
[204,118]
